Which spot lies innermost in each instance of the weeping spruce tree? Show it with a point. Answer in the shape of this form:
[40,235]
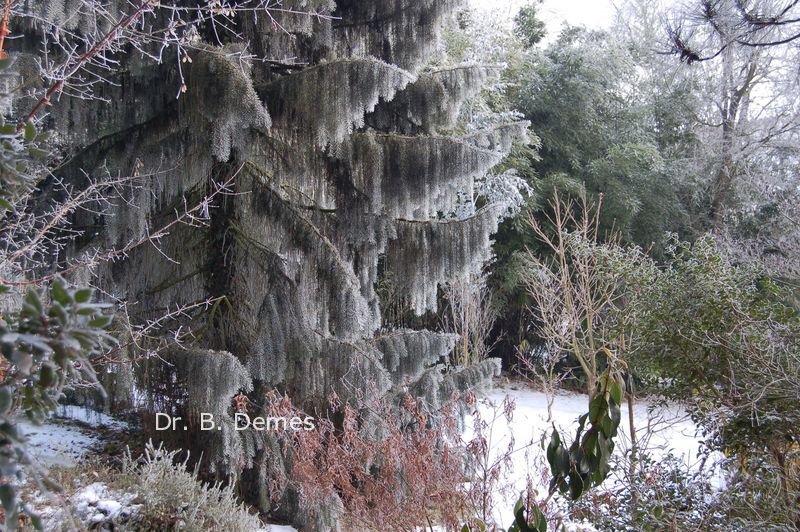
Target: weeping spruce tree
[341,171]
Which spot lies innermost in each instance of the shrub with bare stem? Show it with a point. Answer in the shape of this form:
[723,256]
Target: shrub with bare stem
[573,295]
[470,313]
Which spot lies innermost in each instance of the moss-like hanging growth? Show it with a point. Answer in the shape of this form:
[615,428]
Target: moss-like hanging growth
[329,101]
[427,254]
[335,157]
[414,177]
[433,102]
[402,32]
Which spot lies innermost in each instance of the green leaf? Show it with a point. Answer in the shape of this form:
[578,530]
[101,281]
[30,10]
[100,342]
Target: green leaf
[32,298]
[100,323]
[47,375]
[541,522]
[616,392]
[8,497]
[520,521]
[555,443]
[615,415]
[6,399]
[60,294]
[58,313]
[575,486]
[597,406]
[83,295]
[30,131]
[37,152]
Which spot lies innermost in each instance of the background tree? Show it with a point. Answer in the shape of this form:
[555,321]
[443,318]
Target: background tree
[610,123]
[750,117]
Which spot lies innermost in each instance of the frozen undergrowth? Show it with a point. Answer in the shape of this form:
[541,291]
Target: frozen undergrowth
[89,417]
[661,432]
[148,493]
[669,431]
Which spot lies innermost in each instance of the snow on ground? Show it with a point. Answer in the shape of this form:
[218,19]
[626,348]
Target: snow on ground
[96,506]
[56,444]
[660,431]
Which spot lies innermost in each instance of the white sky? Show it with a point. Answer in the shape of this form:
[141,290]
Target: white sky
[590,13]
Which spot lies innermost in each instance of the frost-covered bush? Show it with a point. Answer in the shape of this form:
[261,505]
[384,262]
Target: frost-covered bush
[664,495]
[725,338]
[174,498]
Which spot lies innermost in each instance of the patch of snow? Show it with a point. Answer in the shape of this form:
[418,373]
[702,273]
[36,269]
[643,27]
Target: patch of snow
[95,505]
[56,444]
[660,431]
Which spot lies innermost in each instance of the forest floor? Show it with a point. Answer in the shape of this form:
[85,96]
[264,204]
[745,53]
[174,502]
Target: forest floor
[78,445]
[82,450]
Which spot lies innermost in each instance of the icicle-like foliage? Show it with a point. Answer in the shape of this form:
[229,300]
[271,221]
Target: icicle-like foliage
[298,34]
[330,100]
[202,381]
[499,137]
[323,285]
[407,354]
[69,15]
[335,159]
[433,102]
[353,371]
[9,80]
[291,355]
[437,385]
[222,93]
[426,254]
[403,32]
[414,177]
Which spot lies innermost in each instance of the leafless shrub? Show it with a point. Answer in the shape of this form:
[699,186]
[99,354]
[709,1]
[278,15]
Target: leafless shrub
[470,313]
[571,292]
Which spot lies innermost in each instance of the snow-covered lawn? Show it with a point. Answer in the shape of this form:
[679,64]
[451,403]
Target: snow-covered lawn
[660,431]
[56,443]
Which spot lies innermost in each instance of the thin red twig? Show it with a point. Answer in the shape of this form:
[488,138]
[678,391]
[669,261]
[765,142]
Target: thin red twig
[85,58]
[4,26]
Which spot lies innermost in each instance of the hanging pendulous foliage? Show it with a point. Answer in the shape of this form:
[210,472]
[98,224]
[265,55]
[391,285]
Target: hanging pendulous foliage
[335,156]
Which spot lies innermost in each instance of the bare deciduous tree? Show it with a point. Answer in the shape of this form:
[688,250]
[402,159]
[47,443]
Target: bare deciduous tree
[572,296]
